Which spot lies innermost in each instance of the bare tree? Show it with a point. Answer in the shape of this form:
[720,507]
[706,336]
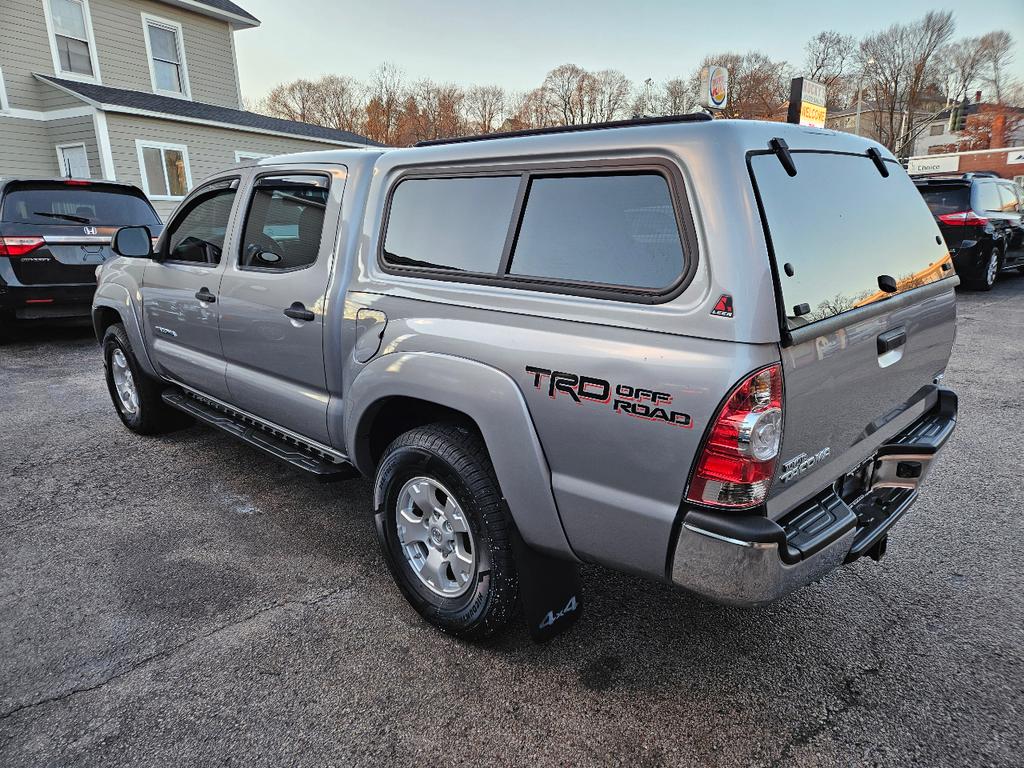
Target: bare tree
[830,57]
[905,75]
[611,93]
[959,65]
[997,54]
[570,90]
[485,105]
[677,97]
[292,101]
[387,91]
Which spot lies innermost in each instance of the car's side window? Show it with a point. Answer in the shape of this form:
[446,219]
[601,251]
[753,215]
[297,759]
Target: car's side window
[986,197]
[196,235]
[613,229]
[285,222]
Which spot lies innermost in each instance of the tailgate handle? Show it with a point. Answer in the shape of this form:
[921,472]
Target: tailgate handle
[890,340]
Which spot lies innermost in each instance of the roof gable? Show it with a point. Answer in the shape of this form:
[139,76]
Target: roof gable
[224,10]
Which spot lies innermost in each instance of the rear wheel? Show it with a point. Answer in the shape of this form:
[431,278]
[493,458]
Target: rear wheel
[987,272]
[445,530]
[136,396]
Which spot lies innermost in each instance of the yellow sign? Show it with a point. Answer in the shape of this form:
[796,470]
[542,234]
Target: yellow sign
[812,115]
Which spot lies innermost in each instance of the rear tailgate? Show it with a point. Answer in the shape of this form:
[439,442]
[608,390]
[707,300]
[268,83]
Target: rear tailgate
[863,360]
[68,255]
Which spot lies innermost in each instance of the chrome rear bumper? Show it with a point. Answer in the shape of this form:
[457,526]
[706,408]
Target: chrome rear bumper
[750,560]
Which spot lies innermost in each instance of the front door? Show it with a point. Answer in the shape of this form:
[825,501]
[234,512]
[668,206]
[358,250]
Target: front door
[74,164]
[273,298]
[179,292]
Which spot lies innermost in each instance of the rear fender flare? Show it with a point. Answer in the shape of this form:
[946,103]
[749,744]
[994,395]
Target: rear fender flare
[493,401]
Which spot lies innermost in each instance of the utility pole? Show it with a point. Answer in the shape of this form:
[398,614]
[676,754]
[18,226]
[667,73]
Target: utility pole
[860,95]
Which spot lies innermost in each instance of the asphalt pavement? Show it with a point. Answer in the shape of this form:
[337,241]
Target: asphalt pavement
[185,600]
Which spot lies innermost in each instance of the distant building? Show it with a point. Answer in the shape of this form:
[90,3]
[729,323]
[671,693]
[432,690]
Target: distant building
[145,91]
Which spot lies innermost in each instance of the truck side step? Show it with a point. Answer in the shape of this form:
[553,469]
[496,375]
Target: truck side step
[288,450]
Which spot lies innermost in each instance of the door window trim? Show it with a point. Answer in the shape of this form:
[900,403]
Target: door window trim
[90,40]
[149,20]
[253,188]
[193,198]
[140,145]
[596,167]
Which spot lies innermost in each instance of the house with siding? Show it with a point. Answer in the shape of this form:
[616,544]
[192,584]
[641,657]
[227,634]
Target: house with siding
[145,91]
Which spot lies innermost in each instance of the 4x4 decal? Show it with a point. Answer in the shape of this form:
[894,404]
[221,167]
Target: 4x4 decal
[638,402]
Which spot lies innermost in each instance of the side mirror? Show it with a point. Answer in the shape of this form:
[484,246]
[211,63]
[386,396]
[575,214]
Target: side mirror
[133,242]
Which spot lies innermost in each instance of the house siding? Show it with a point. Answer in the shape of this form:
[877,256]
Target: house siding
[21,21]
[121,44]
[29,147]
[76,130]
[120,50]
[209,149]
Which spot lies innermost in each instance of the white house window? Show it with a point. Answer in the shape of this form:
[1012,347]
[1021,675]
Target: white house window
[71,37]
[165,171]
[4,106]
[936,129]
[165,47]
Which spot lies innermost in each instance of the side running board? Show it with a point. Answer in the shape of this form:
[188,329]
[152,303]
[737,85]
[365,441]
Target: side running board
[284,449]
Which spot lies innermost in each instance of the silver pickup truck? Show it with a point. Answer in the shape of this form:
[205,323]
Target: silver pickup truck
[707,352]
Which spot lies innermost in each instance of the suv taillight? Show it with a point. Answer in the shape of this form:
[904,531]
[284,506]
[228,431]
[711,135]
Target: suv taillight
[19,246]
[963,219]
[737,463]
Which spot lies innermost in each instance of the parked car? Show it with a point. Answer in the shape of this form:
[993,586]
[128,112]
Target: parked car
[563,345]
[53,235]
[982,218]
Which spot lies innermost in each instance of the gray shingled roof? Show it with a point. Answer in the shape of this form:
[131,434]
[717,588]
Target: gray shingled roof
[227,5]
[172,107]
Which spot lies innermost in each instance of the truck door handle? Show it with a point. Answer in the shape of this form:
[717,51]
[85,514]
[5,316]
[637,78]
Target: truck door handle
[298,311]
[891,340]
[203,294]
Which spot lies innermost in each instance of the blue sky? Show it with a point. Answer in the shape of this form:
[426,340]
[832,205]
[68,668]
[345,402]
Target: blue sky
[515,44]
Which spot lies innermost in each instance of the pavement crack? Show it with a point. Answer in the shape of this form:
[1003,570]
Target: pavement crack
[171,651]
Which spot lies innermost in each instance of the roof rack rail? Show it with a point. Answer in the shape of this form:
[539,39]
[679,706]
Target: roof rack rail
[694,117]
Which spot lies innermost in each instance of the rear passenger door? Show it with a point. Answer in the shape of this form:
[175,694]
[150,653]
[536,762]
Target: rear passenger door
[273,299]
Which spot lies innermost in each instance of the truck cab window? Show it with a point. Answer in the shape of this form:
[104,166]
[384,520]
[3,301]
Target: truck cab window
[197,234]
[284,223]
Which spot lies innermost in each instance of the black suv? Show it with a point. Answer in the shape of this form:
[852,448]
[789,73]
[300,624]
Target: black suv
[53,235]
[980,215]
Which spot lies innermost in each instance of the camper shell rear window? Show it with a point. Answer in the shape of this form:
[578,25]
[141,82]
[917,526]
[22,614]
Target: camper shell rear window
[838,226]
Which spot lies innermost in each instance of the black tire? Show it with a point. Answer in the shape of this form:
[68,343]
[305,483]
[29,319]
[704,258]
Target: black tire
[983,280]
[455,457]
[152,416]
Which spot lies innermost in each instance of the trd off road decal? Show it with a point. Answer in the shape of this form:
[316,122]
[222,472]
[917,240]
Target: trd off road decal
[637,402]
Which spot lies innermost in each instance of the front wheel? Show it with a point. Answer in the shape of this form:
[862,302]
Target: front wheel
[135,395]
[445,530]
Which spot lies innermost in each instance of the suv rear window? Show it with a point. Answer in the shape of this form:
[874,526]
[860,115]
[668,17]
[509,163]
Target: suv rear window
[947,199]
[837,226]
[60,203]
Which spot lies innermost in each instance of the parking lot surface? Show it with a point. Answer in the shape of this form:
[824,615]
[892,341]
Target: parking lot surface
[186,600]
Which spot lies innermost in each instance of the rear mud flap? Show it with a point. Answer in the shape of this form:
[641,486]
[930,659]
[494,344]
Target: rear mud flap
[549,589]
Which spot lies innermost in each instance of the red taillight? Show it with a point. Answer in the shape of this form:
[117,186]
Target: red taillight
[19,246]
[77,183]
[963,219]
[737,463]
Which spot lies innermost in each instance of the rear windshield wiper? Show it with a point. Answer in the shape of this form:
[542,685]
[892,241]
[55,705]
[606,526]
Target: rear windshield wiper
[67,216]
